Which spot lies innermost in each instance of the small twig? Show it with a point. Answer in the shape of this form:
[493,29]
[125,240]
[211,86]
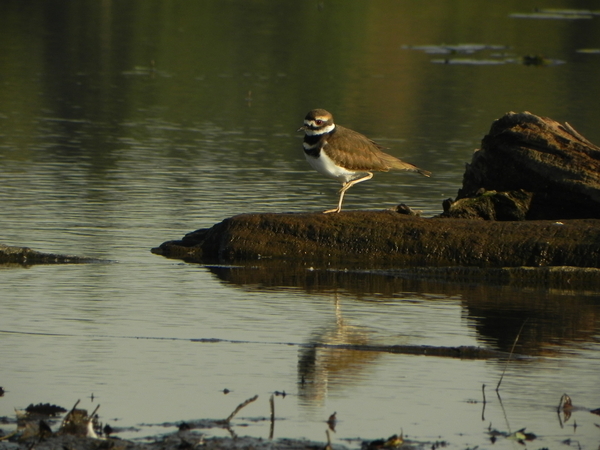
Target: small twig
[272,402]
[502,376]
[565,404]
[484,402]
[510,355]
[328,446]
[74,406]
[9,435]
[240,406]
[231,432]
[90,423]
[34,444]
[560,402]
[503,412]
[91,416]
[69,414]
[573,132]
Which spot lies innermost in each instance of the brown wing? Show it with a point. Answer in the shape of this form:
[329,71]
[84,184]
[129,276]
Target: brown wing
[357,152]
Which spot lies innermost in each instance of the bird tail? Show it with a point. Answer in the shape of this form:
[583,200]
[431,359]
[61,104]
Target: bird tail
[425,173]
[401,165]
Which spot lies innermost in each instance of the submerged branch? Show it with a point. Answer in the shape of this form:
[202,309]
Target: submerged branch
[240,406]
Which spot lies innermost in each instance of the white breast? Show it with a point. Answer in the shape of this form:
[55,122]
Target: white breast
[324,165]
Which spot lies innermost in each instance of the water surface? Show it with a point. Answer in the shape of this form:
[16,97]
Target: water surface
[126,124]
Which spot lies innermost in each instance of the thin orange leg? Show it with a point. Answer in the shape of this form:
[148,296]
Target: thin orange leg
[345,187]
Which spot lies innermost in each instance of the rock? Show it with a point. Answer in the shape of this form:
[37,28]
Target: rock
[530,168]
[26,256]
[491,205]
[386,238]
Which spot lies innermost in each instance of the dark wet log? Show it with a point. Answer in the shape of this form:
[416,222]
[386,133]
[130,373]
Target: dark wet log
[530,168]
[26,256]
[386,238]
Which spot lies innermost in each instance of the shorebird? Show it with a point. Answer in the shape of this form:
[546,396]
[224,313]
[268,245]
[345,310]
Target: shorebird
[344,154]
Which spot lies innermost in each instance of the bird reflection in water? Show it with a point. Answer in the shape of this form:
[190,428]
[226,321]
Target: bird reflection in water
[329,361]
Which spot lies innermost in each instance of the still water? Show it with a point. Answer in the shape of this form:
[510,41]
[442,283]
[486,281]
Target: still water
[126,124]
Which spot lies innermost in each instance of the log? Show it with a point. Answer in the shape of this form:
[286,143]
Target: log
[25,256]
[530,168]
[387,238]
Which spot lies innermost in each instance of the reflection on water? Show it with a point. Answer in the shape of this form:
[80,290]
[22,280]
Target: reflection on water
[495,312]
[566,318]
[552,328]
[324,365]
[259,330]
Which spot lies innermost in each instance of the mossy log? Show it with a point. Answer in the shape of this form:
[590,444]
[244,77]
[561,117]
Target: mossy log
[387,238]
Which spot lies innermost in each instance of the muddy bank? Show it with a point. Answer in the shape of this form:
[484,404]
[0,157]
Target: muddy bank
[79,430]
[191,440]
[177,441]
[380,238]
[25,256]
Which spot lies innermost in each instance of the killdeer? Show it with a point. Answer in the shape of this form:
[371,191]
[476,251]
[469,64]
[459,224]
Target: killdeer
[345,155]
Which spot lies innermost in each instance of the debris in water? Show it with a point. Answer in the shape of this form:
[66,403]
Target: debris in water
[45,409]
[332,421]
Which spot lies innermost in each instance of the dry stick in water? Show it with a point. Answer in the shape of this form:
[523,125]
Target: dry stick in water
[484,402]
[560,402]
[94,413]
[566,405]
[510,355]
[91,432]
[328,446]
[272,402]
[69,414]
[240,406]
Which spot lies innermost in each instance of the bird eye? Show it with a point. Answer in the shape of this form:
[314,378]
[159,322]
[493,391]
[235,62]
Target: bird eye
[319,122]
